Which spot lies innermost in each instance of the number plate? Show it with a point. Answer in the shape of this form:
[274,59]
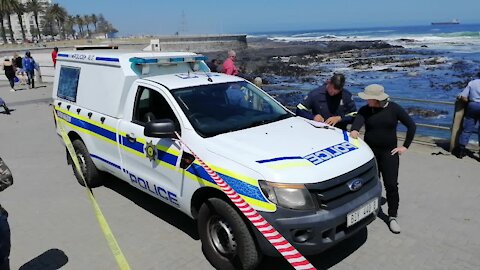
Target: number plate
[362,212]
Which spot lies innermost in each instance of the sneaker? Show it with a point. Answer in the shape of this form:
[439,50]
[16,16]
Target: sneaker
[460,152]
[393,225]
[12,90]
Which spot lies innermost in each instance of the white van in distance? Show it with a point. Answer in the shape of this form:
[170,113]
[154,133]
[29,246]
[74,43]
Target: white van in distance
[121,110]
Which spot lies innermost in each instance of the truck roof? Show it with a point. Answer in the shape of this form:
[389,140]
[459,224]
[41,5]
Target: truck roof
[115,57]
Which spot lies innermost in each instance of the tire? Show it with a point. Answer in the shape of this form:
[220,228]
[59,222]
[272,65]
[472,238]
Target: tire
[226,240]
[92,175]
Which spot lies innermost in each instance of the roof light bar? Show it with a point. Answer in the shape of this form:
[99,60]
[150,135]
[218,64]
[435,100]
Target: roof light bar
[166,60]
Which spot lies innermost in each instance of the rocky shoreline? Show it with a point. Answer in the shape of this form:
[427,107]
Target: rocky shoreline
[310,63]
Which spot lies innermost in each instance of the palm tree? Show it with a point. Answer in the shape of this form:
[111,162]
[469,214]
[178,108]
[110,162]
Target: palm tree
[36,7]
[79,22]
[7,7]
[87,21]
[2,29]
[68,26]
[94,20]
[59,14]
[20,9]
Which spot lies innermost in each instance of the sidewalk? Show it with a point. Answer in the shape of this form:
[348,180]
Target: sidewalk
[53,224]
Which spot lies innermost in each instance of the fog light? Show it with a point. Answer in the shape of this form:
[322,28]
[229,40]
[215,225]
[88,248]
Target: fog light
[302,236]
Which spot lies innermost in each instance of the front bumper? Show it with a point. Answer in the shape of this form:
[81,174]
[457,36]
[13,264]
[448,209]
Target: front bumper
[313,232]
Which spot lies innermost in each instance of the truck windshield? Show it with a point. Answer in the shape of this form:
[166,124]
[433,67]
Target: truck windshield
[219,108]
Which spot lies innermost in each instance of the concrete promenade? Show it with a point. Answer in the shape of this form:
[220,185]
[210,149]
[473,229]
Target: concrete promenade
[54,227]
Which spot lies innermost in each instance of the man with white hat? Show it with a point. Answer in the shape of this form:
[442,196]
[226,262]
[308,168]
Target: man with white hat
[381,117]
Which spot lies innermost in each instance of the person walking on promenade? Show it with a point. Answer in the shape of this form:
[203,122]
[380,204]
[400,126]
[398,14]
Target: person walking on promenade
[29,67]
[9,73]
[17,62]
[229,64]
[4,105]
[470,95]
[329,103]
[380,118]
[54,56]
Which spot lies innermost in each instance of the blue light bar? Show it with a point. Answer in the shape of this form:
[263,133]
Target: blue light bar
[139,61]
[177,59]
[200,58]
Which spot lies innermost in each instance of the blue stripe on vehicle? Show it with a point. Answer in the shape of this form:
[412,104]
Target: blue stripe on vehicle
[240,187]
[277,159]
[345,136]
[62,55]
[93,128]
[106,161]
[167,157]
[134,145]
[107,59]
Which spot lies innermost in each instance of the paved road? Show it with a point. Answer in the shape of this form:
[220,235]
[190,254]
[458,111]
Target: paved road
[53,225]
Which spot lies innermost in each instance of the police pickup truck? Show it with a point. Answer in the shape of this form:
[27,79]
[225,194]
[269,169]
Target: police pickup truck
[122,111]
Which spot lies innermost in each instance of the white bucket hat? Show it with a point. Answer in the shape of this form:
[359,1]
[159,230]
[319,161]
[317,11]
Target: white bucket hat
[373,91]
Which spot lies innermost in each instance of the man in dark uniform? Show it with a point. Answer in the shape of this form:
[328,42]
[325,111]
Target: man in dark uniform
[6,180]
[329,103]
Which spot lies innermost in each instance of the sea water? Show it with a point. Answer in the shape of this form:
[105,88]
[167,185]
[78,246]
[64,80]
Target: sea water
[456,47]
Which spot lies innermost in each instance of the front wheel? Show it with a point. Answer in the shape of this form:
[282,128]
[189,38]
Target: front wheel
[92,175]
[226,241]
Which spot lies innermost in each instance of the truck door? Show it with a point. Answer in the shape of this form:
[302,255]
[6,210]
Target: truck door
[150,163]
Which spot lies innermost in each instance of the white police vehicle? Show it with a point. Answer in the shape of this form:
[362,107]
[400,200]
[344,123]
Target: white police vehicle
[121,109]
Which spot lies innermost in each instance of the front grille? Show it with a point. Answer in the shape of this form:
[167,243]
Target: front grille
[335,192]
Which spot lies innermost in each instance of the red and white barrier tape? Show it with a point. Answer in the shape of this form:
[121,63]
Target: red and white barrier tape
[290,253]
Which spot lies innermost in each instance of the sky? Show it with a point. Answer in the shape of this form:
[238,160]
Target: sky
[150,17]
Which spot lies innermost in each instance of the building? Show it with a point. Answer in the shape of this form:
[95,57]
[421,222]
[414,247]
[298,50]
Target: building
[28,23]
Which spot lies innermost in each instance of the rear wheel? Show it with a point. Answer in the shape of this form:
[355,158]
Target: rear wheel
[90,172]
[226,241]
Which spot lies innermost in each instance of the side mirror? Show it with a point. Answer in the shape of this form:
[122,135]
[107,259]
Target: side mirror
[160,128]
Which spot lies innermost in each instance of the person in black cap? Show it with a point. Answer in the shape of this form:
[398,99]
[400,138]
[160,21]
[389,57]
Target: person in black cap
[329,103]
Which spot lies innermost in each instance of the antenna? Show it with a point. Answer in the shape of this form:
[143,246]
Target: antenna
[183,23]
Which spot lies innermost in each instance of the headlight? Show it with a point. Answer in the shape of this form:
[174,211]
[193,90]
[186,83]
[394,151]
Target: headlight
[293,196]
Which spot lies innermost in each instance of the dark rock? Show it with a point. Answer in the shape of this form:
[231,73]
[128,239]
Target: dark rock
[423,112]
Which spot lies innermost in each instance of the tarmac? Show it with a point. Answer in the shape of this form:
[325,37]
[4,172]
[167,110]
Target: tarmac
[54,227]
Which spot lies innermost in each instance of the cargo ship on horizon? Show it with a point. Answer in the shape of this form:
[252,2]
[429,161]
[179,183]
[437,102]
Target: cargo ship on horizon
[454,21]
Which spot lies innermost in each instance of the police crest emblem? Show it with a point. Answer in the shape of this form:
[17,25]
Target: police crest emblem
[150,151]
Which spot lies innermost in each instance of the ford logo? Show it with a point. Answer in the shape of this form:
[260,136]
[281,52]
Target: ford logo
[355,185]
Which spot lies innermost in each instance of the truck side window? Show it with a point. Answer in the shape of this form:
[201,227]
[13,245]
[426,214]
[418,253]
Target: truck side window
[68,83]
[151,105]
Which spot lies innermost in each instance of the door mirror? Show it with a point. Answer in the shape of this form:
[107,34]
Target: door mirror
[160,128]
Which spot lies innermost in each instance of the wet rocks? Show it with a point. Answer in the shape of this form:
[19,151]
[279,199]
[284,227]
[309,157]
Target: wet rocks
[426,113]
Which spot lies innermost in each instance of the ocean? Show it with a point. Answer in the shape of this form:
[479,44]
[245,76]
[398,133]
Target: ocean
[438,62]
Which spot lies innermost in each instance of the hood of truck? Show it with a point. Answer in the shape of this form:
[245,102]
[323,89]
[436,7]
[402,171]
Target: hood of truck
[292,151]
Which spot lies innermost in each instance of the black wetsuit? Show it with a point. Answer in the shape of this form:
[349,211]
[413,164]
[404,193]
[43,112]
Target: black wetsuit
[381,136]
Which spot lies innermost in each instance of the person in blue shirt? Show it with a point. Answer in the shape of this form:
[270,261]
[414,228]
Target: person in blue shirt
[471,95]
[329,103]
[29,67]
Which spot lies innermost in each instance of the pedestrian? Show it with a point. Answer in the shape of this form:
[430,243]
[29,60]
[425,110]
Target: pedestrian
[4,105]
[329,103]
[29,66]
[9,72]
[380,117]
[17,62]
[258,82]
[229,64]
[54,56]
[214,65]
[471,96]
[6,180]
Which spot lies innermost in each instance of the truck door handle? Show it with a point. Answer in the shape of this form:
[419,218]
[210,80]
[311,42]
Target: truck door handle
[131,137]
